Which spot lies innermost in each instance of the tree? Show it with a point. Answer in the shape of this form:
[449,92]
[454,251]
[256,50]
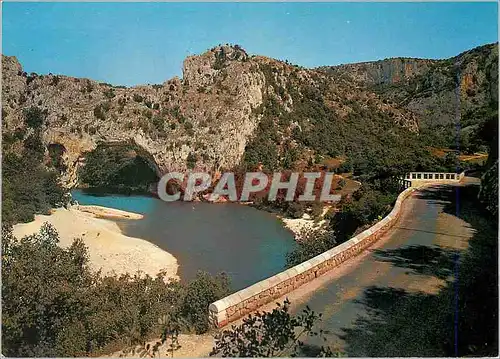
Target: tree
[191,160]
[53,305]
[28,186]
[200,292]
[42,295]
[34,117]
[271,334]
[172,325]
[316,210]
[489,189]
[310,244]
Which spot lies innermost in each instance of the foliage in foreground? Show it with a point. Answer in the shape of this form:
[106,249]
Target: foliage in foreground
[489,189]
[272,334]
[54,305]
[30,182]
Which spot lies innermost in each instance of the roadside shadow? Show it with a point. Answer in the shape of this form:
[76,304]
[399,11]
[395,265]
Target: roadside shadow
[420,259]
[397,323]
[459,320]
[440,194]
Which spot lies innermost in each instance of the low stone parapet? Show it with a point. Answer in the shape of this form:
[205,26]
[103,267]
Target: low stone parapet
[424,178]
[249,299]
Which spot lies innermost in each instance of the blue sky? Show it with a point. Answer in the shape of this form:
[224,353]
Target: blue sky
[138,43]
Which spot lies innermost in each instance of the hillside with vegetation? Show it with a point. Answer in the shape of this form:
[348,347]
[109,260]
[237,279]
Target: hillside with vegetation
[231,108]
[233,111]
[54,305]
[225,111]
[230,111]
[452,98]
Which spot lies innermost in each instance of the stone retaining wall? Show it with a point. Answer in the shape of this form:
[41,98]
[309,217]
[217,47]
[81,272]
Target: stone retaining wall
[430,178]
[434,177]
[249,299]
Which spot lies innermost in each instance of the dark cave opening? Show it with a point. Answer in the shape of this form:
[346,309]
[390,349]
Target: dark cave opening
[118,168]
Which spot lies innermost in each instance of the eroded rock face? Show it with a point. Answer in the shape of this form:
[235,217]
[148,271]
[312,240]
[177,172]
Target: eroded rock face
[203,121]
[209,112]
[439,92]
[385,72]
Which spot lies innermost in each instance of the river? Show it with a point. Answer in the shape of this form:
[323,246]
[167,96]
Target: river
[247,244]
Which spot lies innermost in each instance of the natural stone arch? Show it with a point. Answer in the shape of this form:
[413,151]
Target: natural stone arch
[131,167]
[77,146]
[143,153]
[74,146]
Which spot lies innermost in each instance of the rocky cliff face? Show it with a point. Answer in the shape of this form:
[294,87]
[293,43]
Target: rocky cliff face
[384,72]
[203,121]
[208,113]
[439,92]
[230,107]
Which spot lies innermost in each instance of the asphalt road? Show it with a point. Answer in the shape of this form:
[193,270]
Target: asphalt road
[416,256]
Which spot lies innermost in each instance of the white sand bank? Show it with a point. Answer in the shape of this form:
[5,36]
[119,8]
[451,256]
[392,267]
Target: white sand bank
[304,224]
[109,249]
[301,225]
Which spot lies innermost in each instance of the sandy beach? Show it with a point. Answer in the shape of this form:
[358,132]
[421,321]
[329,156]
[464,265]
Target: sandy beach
[301,225]
[109,249]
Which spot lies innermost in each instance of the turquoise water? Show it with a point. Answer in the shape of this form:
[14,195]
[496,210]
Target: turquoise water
[137,204]
[248,244]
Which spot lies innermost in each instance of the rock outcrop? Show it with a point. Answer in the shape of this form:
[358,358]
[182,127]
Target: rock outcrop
[208,119]
[437,91]
[202,121]
[384,72]
[208,112]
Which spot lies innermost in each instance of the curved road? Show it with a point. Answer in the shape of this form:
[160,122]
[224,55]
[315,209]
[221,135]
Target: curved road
[415,256]
[376,303]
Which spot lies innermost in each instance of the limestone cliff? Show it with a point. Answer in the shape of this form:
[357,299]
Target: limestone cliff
[440,92]
[384,72]
[231,107]
[209,112]
[203,121]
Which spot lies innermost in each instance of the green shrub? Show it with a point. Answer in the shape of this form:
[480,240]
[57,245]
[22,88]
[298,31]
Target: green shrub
[28,187]
[200,293]
[72,311]
[158,122]
[99,112]
[109,93]
[191,160]
[311,244]
[295,209]
[273,334]
[34,117]
[138,98]
[148,114]
[316,210]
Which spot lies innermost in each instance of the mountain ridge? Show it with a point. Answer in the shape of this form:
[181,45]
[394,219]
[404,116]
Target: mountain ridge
[428,87]
[228,109]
